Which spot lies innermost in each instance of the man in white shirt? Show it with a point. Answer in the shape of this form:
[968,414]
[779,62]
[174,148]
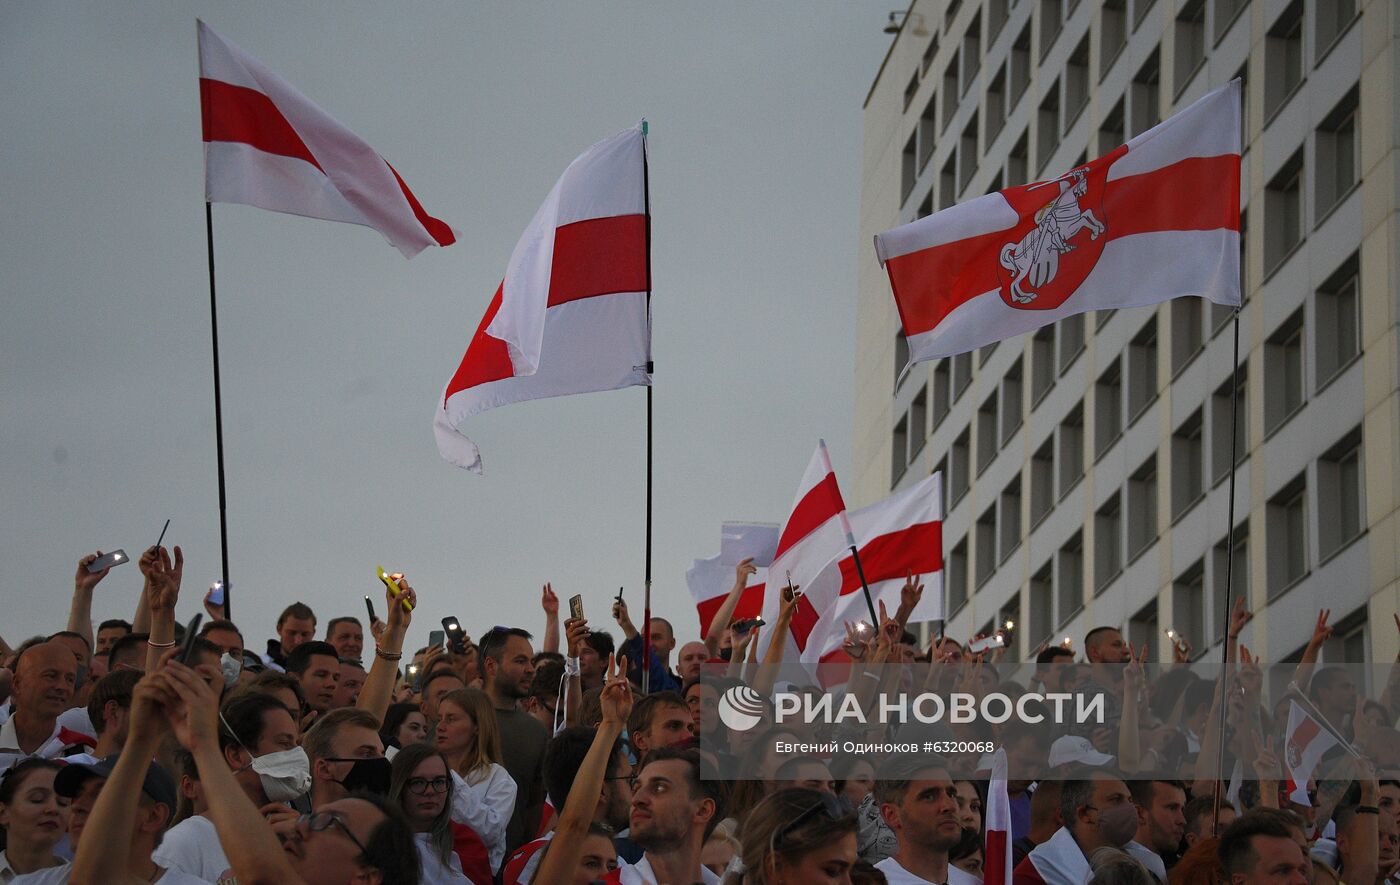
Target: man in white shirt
[673,813]
[43,687]
[919,802]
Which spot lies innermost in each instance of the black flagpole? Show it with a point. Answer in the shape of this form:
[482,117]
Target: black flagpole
[218,412]
[1229,559]
[646,620]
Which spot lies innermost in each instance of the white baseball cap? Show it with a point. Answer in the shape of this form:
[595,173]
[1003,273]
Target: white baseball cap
[1074,750]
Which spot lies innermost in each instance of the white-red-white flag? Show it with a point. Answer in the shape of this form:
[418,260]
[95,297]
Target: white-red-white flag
[571,315]
[898,536]
[267,145]
[1158,218]
[1308,740]
[996,847]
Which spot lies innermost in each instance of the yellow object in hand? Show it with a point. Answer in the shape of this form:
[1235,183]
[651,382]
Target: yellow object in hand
[394,590]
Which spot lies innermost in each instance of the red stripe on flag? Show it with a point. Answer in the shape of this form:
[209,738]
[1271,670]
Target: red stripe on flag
[598,256]
[487,358]
[993,859]
[931,283]
[804,620]
[917,549]
[436,229]
[246,116]
[750,606]
[822,502]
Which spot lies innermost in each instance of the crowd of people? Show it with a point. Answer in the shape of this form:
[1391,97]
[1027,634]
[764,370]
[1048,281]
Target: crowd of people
[132,752]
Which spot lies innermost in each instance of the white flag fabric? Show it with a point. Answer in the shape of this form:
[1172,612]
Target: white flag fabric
[1307,742]
[709,581]
[996,848]
[267,145]
[571,315]
[1157,218]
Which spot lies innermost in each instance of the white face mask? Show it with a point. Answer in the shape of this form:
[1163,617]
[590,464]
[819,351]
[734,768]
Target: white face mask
[230,667]
[285,774]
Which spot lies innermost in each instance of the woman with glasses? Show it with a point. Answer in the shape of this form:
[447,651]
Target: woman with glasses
[33,818]
[483,792]
[798,835]
[422,786]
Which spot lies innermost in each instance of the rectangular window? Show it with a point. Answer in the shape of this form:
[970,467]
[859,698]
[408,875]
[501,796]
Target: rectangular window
[1069,579]
[918,422]
[1188,331]
[1283,366]
[1011,402]
[1283,213]
[1222,412]
[1143,629]
[1018,66]
[997,14]
[1142,507]
[1042,482]
[985,352]
[929,52]
[1287,536]
[1071,343]
[967,153]
[951,90]
[911,89]
[908,167]
[957,577]
[1111,133]
[901,356]
[1142,369]
[899,449]
[1071,449]
[1190,42]
[1188,465]
[1140,10]
[1108,408]
[1333,16]
[948,182]
[959,469]
[928,131]
[972,50]
[962,374]
[1225,13]
[1338,155]
[1338,332]
[1047,127]
[1237,568]
[986,546]
[942,393]
[1108,543]
[925,206]
[1051,21]
[1042,605]
[1042,363]
[1076,82]
[1283,59]
[986,433]
[1145,95]
[1113,33]
[996,105]
[1340,512]
[1189,607]
[1010,519]
[1018,168]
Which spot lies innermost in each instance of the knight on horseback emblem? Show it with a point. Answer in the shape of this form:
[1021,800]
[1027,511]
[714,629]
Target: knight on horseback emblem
[1034,261]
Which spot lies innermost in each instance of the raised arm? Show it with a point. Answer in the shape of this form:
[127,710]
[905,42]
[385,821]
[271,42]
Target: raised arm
[1302,674]
[720,622]
[388,651]
[550,603]
[767,674]
[80,610]
[575,633]
[565,850]
[161,592]
[1129,733]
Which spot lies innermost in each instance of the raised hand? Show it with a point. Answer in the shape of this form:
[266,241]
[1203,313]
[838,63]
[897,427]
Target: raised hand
[1321,632]
[616,698]
[575,633]
[1266,766]
[743,570]
[1133,672]
[163,579]
[549,601]
[1251,678]
[84,580]
[909,596]
[1239,616]
[217,612]
[856,645]
[400,616]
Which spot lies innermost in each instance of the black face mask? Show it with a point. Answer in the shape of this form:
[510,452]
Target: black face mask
[726,653]
[370,775]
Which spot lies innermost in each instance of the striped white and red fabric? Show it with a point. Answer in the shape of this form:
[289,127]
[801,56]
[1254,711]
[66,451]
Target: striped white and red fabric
[1305,745]
[1156,219]
[571,315]
[709,581]
[267,145]
[996,846]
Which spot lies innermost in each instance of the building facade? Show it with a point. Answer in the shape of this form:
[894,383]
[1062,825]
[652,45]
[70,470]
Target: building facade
[1087,465]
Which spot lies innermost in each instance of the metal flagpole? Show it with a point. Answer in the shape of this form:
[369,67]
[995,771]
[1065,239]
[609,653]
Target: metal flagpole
[1229,561]
[646,610]
[218,413]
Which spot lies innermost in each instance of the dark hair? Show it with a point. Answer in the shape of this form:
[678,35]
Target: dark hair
[331,624]
[243,719]
[123,646]
[545,683]
[10,782]
[1097,631]
[1237,853]
[547,657]
[299,610]
[563,756]
[437,673]
[493,642]
[1145,791]
[220,624]
[115,686]
[1074,795]
[968,845]
[390,848]
[1322,680]
[269,681]
[1048,654]
[892,783]
[644,710]
[394,718]
[600,641]
[405,761]
[300,657]
[697,788]
[1197,808]
[113,623]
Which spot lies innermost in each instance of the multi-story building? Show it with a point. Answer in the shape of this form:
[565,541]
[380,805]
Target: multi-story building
[1087,465]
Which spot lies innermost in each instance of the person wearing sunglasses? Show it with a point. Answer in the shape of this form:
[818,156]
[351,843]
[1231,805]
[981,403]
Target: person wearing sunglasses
[798,835]
[360,838]
[422,786]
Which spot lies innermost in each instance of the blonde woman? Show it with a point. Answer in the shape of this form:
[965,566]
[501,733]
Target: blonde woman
[483,792]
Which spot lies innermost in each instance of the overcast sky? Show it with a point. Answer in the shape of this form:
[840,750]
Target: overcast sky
[334,348]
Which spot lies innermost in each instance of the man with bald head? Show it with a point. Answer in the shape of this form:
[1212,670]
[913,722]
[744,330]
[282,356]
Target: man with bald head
[693,658]
[45,679]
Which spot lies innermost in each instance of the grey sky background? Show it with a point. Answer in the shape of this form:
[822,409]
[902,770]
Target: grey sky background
[334,348]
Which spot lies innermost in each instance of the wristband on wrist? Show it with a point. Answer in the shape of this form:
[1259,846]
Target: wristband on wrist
[571,667]
[1367,809]
[171,644]
[387,655]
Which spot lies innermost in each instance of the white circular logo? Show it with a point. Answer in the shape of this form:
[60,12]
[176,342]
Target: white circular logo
[741,708]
